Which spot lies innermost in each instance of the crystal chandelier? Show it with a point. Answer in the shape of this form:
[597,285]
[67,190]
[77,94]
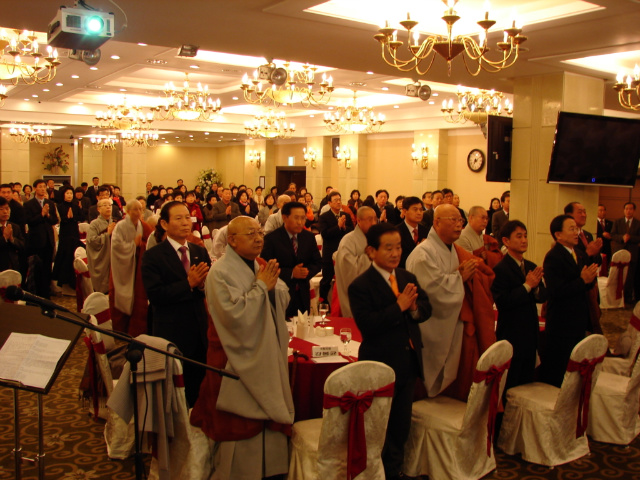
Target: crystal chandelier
[104,143]
[124,117]
[475,105]
[629,89]
[30,134]
[21,58]
[449,47]
[186,104]
[354,119]
[269,125]
[286,85]
[309,156]
[140,138]
[420,157]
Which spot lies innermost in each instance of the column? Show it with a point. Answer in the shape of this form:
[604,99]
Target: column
[537,101]
[435,175]
[131,170]
[14,161]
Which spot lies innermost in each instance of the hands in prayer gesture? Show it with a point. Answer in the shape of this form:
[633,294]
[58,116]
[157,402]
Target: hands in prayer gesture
[269,274]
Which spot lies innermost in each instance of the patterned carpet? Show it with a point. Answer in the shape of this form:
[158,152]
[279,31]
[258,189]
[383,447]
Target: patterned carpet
[75,449]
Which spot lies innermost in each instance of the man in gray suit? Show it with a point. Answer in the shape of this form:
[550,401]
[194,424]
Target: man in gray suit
[225,210]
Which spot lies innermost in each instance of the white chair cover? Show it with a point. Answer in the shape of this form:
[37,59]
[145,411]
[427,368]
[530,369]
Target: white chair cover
[84,287]
[319,446]
[207,238]
[449,439]
[319,242]
[612,287]
[97,304]
[627,347]
[83,228]
[615,401]
[7,279]
[540,420]
[220,243]
[196,234]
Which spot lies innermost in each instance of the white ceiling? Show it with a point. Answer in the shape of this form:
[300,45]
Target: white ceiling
[562,36]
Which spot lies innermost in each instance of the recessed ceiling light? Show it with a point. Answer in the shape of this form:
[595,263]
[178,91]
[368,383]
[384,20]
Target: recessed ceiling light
[233,139]
[156,61]
[330,108]
[206,133]
[59,84]
[166,141]
[34,95]
[142,44]
[75,76]
[219,140]
[190,136]
[115,57]
[385,88]
[177,137]
[369,73]
[312,116]
[396,106]
[93,68]
[221,136]
[179,141]
[163,138]
[123,89]
[234,98]
[46,90]
[194,66]
[434,94]
[431,102]
[80,103]
[27,99]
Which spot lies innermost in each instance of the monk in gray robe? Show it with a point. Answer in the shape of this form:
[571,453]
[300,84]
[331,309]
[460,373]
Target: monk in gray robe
[99,247]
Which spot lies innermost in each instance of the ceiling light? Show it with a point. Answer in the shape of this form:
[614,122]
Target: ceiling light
[369,73]
[354,119]
[142,44]
[628,89]
[476,105]
[124,116]
[46,90]
[194,66]
[234,98]
[186,104]
[93,68]
[138,138]
[115,57]
[59,84]
[104,143]
[450,46]
[75,76]
[269,125]
[30,134]
[24,59]
[34,95]
[385,88]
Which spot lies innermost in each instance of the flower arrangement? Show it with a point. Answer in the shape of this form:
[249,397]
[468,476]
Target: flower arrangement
[206,178]
[55,160]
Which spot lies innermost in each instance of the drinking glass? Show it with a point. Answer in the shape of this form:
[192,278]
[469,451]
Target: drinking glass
[323,309]
[345,337]
[290,328]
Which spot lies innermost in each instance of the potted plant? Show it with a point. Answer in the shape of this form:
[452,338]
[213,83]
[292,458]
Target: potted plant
[56,160]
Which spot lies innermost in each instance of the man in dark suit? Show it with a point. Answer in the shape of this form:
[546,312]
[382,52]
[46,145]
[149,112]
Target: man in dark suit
[296,251]
[586,246]
[625,234]
[173,273]
[11,239]
[17,210]
[92,191]
[568,281]
[104,192]
[333,225]
[604,231]
[516,289]
[41,216]
[384,209]
[501,217]
[388,304]
[412,232]
[436,199]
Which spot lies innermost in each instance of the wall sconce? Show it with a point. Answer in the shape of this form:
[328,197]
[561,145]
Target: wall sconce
[310,157]
[255,156]
[421,156]
[344,154]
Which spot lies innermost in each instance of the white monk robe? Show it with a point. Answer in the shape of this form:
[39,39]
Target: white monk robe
[123,263]
[99,254]
[351,261]
[436,268]
[254,335]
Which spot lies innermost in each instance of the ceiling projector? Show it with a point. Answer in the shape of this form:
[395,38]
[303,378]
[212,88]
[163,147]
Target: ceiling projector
[423,92]
[80,29]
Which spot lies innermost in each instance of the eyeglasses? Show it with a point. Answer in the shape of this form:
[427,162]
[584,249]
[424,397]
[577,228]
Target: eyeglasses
[454,219]
[252,233]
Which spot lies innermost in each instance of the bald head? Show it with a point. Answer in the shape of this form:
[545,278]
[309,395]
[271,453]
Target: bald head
[282,199]
[240,224]
[366,217]
[245,237]
[447,222]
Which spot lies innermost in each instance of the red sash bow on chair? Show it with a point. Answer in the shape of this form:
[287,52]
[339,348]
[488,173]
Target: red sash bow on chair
[103,316]
[585,368]
[492,378]
[604,267]
[3,294]
[633,321]
[357,442]
[206,237]
[620,285]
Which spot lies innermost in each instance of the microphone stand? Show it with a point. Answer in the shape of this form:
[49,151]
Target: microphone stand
[135,351]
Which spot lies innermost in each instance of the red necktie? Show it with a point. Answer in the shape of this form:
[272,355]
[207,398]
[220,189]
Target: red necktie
[583,238]
[415,235]
[184,259]
[294,242]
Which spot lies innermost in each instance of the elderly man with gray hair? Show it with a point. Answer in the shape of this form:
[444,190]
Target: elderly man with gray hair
[471,237]
[99,246]
[275,221]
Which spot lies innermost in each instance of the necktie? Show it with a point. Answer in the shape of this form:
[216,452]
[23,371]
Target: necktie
[184,259]
[415,235]
[294,242]
[394,285]
[583,238]
[573,254]
[628,225]
[524,272]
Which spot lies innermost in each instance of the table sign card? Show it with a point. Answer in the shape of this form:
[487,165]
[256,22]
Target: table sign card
[324,351]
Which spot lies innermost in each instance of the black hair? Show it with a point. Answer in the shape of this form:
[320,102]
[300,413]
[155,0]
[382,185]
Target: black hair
[505,195]
[287,207]
[380,191]
[333,194]
[557,223]
[376,231]
[408,202]
[510,227]
[568,209]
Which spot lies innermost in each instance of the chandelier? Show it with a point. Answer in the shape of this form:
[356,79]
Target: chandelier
[475,105]
[353,119]
[124,117]
[627,87]
[269,125]
[285,86]
[449,46]
[30,134]
[420,157]
[309,157]
[104,143]
[140,138]
[186,104]
[3,95]
[21,58]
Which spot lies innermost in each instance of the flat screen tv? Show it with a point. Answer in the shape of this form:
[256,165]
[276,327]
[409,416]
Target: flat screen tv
[595,150]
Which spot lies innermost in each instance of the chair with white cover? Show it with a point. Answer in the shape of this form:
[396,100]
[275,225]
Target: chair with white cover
[84,287]
[450,439]
[97,304]
[615,401]
[612,287]
[321,448]
[547,424]
[83,228]
[626,349]
[9,278]
[206,238]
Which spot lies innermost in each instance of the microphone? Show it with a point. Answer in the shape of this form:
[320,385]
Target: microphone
[14,293]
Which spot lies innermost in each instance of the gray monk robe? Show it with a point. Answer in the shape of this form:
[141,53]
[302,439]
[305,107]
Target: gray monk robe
[99,254]
[351,261]
[253,333]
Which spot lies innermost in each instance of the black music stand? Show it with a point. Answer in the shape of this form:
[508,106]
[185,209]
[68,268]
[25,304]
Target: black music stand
[26,319]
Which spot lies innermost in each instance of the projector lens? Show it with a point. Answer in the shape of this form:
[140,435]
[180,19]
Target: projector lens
[94,25]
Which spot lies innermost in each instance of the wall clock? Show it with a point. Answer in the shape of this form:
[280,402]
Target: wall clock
[475,160]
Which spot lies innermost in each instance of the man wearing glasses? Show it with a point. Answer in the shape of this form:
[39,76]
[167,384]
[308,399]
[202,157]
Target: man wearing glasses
[442,268]
[248,417]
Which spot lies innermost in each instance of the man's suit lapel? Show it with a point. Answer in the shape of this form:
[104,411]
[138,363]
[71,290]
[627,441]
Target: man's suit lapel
[173,261]
[515,268]
[383,287]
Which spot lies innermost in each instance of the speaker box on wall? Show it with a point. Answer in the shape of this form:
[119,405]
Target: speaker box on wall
[499,148]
